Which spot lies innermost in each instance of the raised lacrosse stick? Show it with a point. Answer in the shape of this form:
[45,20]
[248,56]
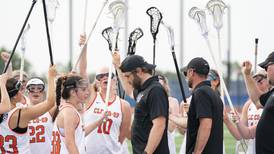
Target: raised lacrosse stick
[256,54]
[170,33]
[155,20]
[23,48]
[216,9]
[51,5]
[135,35]
[19,36]
[47,31]
[199,16]
[85,16]
[107,33]
[117,9]
[89,35]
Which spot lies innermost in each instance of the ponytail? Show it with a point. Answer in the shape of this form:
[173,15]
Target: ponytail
[58,97]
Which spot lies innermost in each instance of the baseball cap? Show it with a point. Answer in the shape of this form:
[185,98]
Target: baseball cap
[269,60]
[134,61]
[199,64]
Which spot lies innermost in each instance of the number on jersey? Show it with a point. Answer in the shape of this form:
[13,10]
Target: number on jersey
[36,134]
[105,127]
[12,141]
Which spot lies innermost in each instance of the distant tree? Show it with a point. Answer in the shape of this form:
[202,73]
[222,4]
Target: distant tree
[16,60]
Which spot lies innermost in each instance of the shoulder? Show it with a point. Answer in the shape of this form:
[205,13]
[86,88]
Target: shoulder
[125,104]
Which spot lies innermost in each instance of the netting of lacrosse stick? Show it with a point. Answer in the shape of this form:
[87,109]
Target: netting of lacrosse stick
[117,9]
[89,35]
[170,33]
[155,20]
[107,33]
[216,9]
[135,35]
[199,16]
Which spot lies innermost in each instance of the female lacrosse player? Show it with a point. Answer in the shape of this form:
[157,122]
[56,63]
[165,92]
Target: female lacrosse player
[40,129]
[109,136]
[14,136]
[69,127]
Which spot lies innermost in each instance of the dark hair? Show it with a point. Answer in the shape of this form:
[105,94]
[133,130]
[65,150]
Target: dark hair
[63,86]
[13,86]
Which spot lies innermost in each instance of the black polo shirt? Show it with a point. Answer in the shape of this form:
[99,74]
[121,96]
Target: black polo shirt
[152,102]
[265,126]
[205,103]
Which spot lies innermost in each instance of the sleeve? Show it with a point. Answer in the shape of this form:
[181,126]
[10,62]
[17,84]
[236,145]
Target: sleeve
[264,97]
[203,103]
[157,103]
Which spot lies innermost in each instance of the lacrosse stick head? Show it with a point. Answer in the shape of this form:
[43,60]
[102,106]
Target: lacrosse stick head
[170,33]
[107,33]
[132,40]
[52,5]
[199,16]
[155,20]
[216,9]
[117,9]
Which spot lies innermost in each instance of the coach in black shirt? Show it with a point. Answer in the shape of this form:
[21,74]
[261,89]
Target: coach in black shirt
[149,128]
[205,115]
[265,126]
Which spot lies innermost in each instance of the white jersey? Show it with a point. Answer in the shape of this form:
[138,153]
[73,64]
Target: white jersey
[253,115]
[40,131]
[58,136]
[10,141]
[104,139]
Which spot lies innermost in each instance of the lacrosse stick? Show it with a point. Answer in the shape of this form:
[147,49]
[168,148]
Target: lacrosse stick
[89,35]
[19,36]
[52,5]
[155,20]
[107,33]
[23,48]
[170,34]
[256,54]
[132,40]
[47,31]
[117,8]
[199,16]
[216,9]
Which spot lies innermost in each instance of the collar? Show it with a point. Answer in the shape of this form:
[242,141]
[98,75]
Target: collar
[203,83]
[148,82]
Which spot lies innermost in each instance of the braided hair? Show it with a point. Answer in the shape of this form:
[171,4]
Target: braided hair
[63,86]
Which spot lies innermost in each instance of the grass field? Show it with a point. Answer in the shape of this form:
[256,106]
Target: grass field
[228,139]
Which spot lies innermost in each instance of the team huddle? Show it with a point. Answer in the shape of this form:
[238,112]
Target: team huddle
[74,115]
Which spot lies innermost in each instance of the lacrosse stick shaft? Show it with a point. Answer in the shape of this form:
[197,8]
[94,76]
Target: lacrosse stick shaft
[178,75]
[47,30]
[22,64]
[256,54]
[220,62]
[89,35]
[154,48]
[19,36]
[221,78]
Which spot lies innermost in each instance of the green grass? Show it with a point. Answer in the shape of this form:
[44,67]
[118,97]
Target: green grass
[228,139]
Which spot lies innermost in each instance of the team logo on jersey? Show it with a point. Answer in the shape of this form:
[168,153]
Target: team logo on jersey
[139,97]
[5,116]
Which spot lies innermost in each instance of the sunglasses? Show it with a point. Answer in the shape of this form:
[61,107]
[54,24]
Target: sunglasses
[100,76]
